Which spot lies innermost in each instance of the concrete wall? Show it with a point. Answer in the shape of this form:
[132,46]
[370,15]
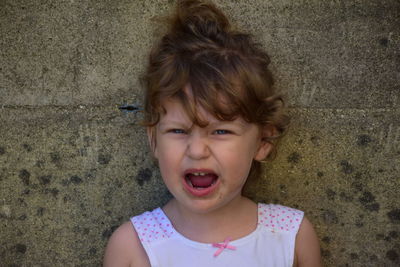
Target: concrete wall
[73,167]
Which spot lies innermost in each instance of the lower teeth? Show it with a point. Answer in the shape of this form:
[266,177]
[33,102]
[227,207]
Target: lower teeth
[200,188]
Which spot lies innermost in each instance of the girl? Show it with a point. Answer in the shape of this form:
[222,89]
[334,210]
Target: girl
[212,116]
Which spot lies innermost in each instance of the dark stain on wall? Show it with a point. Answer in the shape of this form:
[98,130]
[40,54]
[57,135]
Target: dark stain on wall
[20,248]
[107,233]
[359,175]
[104,159]
[347,168]
[354,256]
[326,239]
[92,251]
[330,194]
[325,253]
[294,158]
[393,234]
[40,211]
[359,224]
[67,198]
[118,183]
[363,140]
[40,164]
[357,186]
[387,238]
[87,140]
[394,215]
[2,150]
[27,147]
[91,174]
[144,175]
[24,175]
[45,179]
[384,42]
[22,202]
[315,140]
[55,157]
[330,217]
[368,201]
[26,192]
[392,255]
[75,179]
[53,191]
[373,257]
[379,237]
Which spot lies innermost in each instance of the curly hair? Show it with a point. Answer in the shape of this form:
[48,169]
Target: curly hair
[203,52]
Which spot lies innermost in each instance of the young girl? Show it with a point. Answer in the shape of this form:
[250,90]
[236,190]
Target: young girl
[211,116]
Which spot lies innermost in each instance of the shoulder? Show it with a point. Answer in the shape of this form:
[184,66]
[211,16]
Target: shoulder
[125,249]
[279,209]
[285,219]
[279,218]
[307,250]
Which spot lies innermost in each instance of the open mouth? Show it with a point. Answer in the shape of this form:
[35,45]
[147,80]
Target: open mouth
[201,180]
[200,183]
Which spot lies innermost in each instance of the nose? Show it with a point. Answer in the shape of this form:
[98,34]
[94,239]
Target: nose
[197,147]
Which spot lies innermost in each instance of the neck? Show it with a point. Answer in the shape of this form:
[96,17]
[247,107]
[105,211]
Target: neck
[235,220]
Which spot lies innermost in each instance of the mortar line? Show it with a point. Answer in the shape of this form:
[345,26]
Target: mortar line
[115,107]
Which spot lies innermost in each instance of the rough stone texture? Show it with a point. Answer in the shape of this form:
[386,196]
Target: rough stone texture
[73,167]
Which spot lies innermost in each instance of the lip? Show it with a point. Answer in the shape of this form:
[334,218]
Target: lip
[199,192]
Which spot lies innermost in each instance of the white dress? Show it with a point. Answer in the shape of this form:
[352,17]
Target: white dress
[270,245]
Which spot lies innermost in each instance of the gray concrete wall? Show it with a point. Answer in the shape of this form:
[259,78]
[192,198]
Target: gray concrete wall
[73,167]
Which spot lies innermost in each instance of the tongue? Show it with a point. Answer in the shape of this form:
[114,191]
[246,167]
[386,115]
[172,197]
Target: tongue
[202,181]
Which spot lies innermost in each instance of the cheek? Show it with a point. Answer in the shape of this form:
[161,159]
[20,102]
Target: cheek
[167,173]
[241,160]
[164,160]
[238,161]
[242,153]
[168,160]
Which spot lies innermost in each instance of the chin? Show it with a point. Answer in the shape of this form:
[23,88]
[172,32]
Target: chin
[204,206]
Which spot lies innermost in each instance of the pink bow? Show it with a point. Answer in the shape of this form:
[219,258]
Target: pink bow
[223,246]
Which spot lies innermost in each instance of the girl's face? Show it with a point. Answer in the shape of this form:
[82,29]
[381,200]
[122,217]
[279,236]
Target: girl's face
[205,168]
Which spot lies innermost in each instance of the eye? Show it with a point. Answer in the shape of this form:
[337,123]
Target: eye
[222,132]
[176,131]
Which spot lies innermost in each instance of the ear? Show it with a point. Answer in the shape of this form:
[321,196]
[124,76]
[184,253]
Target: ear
[265,146]
[263,151]
[151,137]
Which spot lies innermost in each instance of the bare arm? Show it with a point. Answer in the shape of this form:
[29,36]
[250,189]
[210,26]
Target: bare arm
[124,249]
[307,250]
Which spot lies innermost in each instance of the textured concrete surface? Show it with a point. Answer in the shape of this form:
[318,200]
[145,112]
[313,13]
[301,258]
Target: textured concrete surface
[73,167]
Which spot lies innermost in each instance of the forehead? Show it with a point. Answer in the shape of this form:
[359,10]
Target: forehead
[174,111]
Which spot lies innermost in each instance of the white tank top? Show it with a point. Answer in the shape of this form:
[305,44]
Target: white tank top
[270,245]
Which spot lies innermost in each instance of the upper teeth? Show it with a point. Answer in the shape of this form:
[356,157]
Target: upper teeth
[199,173]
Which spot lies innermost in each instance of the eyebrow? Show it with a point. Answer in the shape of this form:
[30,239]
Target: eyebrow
[235,122]
[174,123]
[210,123]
